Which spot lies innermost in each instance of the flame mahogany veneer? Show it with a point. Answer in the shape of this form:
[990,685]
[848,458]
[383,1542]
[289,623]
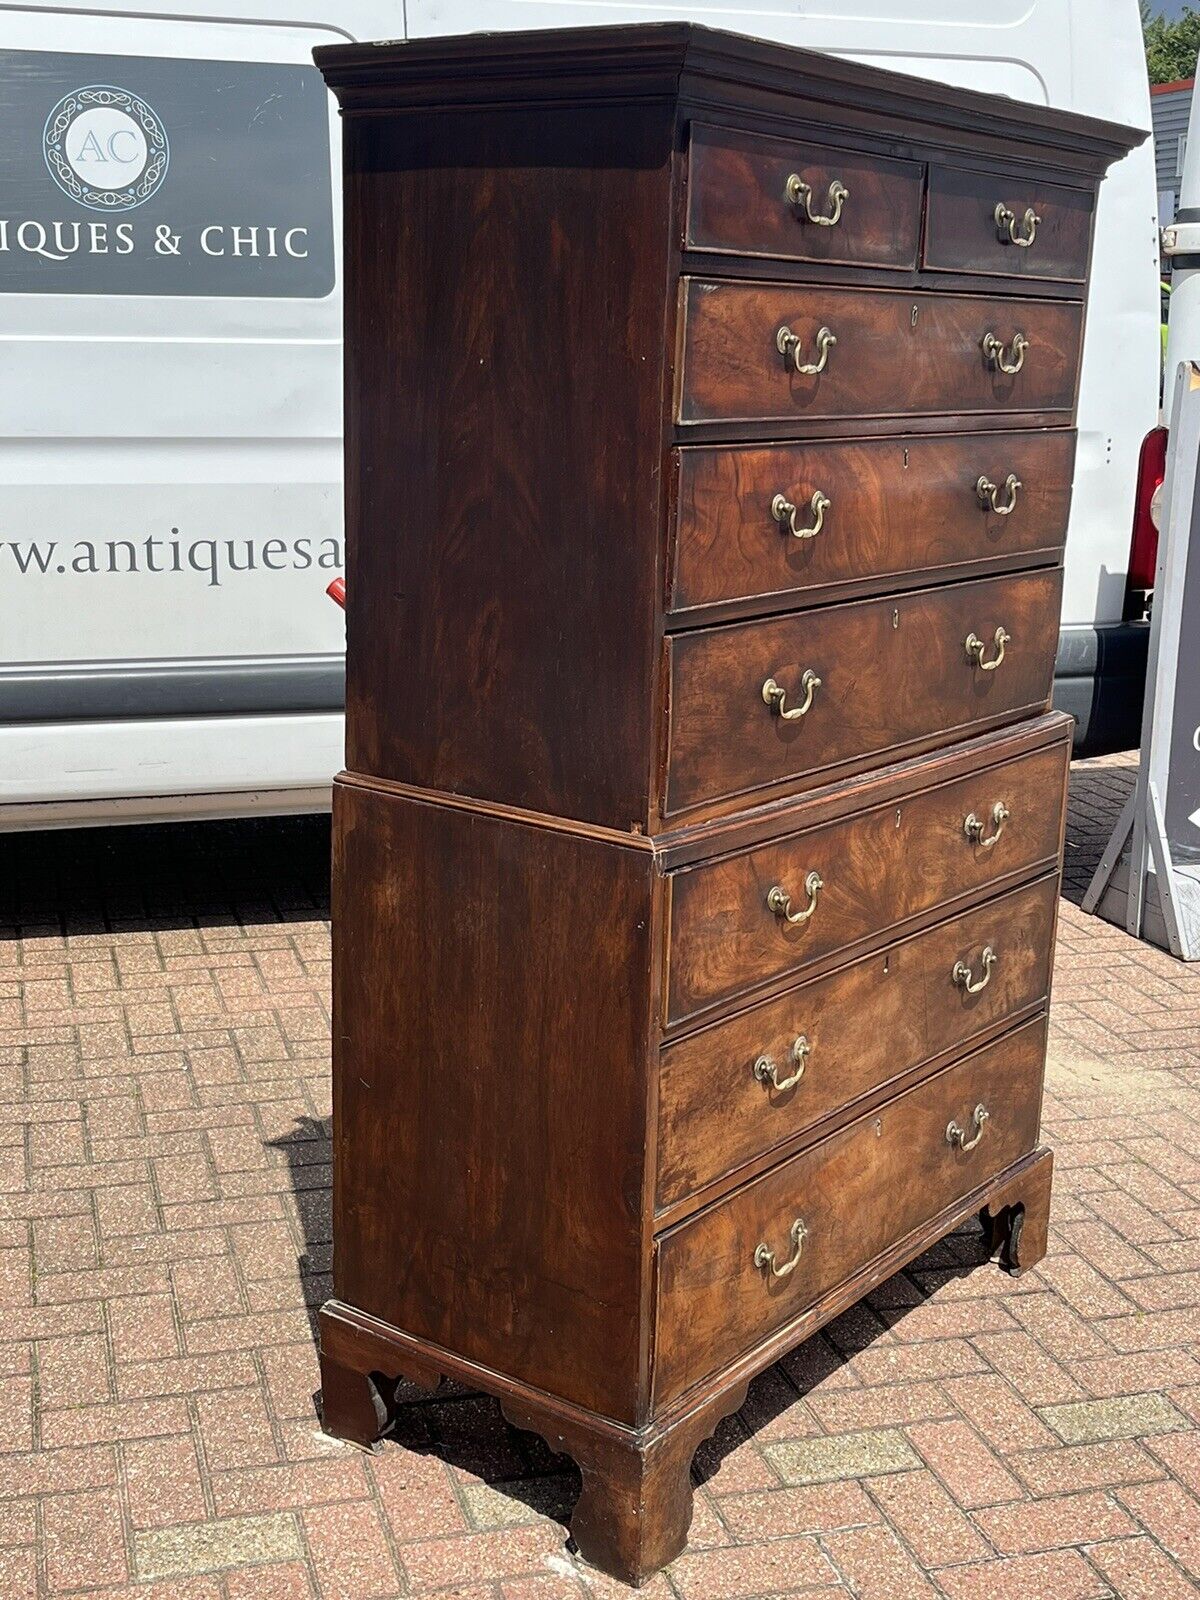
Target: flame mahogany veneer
[696,861]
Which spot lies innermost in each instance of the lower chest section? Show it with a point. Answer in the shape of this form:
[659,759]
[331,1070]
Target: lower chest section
[852,1037]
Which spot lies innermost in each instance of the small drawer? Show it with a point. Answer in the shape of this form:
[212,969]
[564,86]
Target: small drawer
[805,698]
[740,1088]
[744,1267]
[1008,227]
[791,523]
[748,919]
[800,202]
[774,352]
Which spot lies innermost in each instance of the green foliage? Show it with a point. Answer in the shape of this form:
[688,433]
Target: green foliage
[1171,47]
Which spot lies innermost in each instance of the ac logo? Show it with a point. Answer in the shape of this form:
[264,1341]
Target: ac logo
[105,148]
[123,144]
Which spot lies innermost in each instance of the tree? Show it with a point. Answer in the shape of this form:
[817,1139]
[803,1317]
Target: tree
[1171,47]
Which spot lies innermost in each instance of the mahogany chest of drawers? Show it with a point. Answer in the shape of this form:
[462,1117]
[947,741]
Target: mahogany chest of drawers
[709,421]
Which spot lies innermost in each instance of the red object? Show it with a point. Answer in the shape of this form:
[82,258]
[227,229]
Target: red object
[1143,546]
[337,591]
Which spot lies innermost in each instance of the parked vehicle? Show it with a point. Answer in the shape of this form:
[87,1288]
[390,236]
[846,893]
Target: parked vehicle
[170,419]
[170,310]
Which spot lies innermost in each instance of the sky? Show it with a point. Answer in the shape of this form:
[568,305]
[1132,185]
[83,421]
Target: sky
[1169,8]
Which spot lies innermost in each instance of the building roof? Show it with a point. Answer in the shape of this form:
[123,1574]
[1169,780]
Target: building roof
[1171,88]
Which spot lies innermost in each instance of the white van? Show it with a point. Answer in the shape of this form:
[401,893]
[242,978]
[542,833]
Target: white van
[170,496]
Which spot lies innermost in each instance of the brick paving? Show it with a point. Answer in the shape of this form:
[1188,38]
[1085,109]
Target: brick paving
[164,1236]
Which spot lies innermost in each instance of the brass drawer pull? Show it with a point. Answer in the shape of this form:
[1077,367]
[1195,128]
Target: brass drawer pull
[775,694]
[989,494]
[975,647]
[765,1257]
[962,972]
[789,344]
[1006,226]
[1008,358]
[799,194]
[955,1135]
[780,901]
[973,828]
[784,511]
[766,1071]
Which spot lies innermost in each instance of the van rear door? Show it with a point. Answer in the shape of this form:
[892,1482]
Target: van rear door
[170,417]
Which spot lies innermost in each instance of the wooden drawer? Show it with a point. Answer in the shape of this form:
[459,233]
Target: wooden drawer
[854,1195]
[897,354]
[879,677]
[893,508]
[847,1035]
[974,222]
[879,868]
[762,197]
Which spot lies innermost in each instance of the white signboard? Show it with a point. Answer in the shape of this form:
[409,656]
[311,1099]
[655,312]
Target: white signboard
[147,176]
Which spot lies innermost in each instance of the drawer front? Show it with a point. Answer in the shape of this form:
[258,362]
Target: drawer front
[837,1207]
[1014,227]
[877,677]
[737,1089]
[896,354]
[794,521]
[878,868]
[802,202]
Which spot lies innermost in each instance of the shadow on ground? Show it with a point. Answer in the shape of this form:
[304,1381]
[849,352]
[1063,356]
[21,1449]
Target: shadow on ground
[468,1431]
[178,875]
[1098,791]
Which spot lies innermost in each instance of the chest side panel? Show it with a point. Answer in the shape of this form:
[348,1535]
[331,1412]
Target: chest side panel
[504,481]
[492,995]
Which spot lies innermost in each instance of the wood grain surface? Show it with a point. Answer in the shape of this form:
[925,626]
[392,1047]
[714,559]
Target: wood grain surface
[899,509]
[504,486]
[962,234]
[880,868]
[866,1025]
[492,990]
[893,673]
[897,353]
[856,1191]
[737,200]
